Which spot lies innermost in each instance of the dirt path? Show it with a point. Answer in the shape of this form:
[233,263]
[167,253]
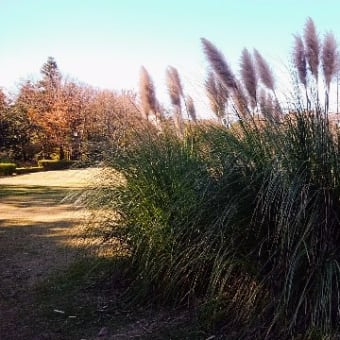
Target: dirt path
[39,235]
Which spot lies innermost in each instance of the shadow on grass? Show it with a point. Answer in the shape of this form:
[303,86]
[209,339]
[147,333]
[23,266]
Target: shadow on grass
[53,290]
[53,284]
[91,295]
[22,196]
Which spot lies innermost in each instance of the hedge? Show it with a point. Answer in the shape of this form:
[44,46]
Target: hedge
[7,169]
[51,164]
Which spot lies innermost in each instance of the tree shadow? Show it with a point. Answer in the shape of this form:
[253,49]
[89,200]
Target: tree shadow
[49,264]
[53,284]
[23,196]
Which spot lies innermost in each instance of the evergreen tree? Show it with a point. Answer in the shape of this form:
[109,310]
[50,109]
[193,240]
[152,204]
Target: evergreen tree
[51,75]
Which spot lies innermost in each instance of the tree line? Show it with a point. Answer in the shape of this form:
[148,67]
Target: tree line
[55,117]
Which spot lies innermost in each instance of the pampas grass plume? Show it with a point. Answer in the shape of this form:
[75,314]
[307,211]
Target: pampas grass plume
[147,93]
[219,64]
[329,55]
[174,85]
[248,74]
[217,94]
[312,44]
[191,108]
[264,71]
[299,59]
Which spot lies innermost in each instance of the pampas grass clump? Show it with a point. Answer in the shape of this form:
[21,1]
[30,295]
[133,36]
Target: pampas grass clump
[240,224]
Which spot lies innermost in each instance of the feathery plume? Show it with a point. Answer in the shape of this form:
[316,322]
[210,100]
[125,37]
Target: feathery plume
[267,105]
[329,64]
[241,103]
[174,86]
[222,91]
[191,108]
[219,64]
[299,58]
[263,101]
[300,62]
[147,93]
[264,71]
[175,92]
[312,44]
[329,54]
[217,95]
[211,89]
[249,76]
[178,120]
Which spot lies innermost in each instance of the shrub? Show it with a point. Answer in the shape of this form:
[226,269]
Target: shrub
[7,169]
[51,164]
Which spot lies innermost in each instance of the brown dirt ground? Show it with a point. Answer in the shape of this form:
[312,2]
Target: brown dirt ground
[39,235]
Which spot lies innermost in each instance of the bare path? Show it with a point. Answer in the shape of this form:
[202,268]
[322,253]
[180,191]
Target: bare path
[39,235]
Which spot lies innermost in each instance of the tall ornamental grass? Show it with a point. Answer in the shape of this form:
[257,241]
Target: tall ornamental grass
[240,224]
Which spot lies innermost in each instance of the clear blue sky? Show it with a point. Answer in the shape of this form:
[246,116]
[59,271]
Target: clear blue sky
[104,42]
